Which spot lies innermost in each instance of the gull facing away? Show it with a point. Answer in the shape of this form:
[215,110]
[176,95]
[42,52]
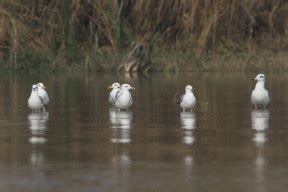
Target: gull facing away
[188,100]
[260,96]
[115,88]
[43,94]
[123,97]
[35,102]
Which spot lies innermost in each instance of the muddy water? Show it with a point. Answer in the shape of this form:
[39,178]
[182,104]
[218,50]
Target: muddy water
[81,144]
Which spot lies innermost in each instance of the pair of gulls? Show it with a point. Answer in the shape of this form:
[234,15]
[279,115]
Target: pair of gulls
[259,97]
[121,98]
[39,98]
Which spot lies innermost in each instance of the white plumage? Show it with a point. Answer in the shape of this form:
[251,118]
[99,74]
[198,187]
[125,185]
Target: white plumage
[115,88]
[123,97]
[34,101]
[260,96]
[188,100]
[43,94]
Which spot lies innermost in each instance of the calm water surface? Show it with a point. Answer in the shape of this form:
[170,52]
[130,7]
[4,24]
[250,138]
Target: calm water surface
[82,144]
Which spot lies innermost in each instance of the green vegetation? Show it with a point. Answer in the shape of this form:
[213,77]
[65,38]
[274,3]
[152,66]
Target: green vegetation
[104,35]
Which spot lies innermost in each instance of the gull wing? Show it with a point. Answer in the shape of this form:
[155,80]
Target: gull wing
[42,100]
[118,94]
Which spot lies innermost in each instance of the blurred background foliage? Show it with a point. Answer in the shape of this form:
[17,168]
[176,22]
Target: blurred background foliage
[97,34]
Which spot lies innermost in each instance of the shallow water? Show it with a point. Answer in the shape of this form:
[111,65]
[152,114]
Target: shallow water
[82,144]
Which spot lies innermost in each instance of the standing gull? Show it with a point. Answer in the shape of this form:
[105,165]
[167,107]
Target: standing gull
[123,97]
[188,100]
[43,94]
[35,102]
[260,96]
[115,88]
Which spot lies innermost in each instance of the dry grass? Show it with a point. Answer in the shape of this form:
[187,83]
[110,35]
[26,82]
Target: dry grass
[69,28]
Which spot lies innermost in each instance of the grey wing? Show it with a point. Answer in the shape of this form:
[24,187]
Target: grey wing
[181,98]
[131,100]
[46,100]
[42,100]
[112,97]
[118,94]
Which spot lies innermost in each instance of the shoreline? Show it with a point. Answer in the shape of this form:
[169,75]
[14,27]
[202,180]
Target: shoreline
[163,60]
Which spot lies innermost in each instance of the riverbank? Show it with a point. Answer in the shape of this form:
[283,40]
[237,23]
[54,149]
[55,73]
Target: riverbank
[162,60]
[172,35]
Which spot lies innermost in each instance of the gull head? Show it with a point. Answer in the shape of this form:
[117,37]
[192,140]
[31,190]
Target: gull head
[260,77]
[126,87]
[189,88]
[114,86]
[34,87]
[41,85]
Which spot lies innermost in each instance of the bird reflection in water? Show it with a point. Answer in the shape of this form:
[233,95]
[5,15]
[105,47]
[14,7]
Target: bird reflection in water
[188,121]
[37,127]
[260,123]
[121,125]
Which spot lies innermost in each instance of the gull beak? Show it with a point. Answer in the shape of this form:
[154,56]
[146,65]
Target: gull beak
[253,79]
[44,87]
[132,88]
[110,87]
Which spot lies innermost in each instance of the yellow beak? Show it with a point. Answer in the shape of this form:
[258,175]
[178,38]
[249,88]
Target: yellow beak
[110,87]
